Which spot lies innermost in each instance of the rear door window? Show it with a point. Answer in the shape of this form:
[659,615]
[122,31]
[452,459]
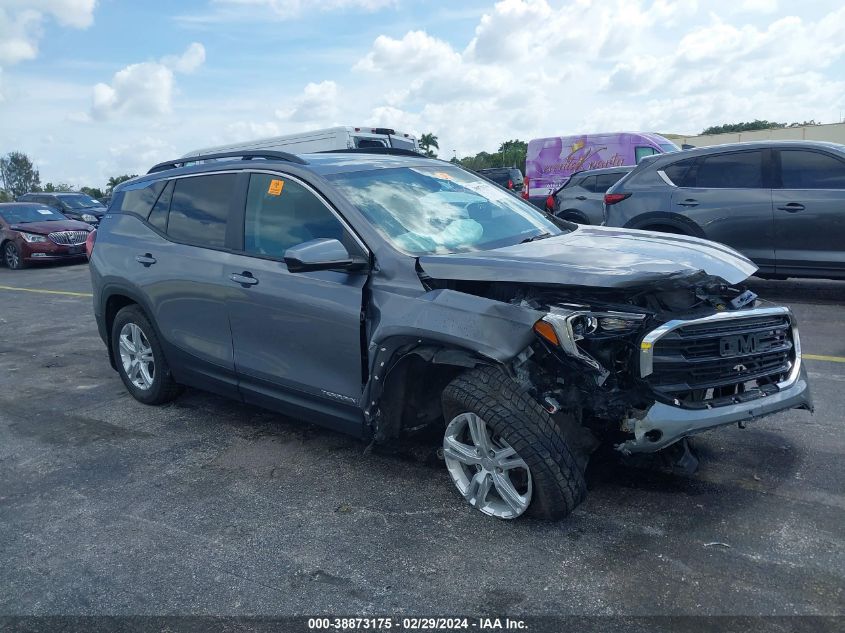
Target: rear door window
[158,215]
[281,213]
[589,183]
[811,170]
[199,209]
[736,170]
[682,173]
[606,181]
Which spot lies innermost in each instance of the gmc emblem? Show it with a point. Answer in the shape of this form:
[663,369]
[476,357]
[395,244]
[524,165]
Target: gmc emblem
[743,344]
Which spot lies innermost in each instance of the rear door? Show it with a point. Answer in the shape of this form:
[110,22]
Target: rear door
[729,197]
[297,336]
[809,203]
[183,277]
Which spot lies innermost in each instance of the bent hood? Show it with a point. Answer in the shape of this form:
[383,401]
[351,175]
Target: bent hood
[597,257]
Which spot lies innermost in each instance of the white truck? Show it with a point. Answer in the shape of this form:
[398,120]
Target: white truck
[329,139]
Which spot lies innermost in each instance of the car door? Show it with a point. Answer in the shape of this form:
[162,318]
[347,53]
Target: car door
[809,204]
[178,263]
[728,196]
[297,336]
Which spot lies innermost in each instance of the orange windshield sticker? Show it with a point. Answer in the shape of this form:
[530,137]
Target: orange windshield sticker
[442,175]
[275,187]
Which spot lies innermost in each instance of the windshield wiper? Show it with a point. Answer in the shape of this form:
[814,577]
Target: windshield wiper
[541,236]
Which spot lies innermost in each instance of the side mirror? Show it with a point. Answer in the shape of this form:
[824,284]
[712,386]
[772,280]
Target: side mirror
[319,254]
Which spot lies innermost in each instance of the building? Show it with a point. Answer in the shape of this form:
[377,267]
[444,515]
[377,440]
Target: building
[831,132]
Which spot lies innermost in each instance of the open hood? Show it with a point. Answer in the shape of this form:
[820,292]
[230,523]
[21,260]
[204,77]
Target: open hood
[597,257]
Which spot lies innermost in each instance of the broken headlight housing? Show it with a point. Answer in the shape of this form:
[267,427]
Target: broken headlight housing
[569,329]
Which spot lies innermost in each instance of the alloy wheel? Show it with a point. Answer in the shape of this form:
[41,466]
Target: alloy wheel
[487,470]
[136,355]
[13,259]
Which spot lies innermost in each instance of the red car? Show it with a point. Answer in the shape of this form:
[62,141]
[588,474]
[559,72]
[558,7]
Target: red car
[35,233]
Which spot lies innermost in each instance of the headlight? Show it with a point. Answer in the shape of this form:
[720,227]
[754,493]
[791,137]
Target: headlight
[564,328]
[87,217]
[31,237]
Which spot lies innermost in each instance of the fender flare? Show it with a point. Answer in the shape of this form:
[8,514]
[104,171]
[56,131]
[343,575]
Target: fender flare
[665,218]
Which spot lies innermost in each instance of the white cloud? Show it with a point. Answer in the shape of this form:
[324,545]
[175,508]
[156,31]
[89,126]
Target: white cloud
[21,24]
[262,10]
[146,88]
[317,103]
[189,61]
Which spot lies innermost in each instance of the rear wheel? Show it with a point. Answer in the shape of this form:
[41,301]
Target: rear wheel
[12,256]
[665,228]
[504,453]
[140,359]
[574,216]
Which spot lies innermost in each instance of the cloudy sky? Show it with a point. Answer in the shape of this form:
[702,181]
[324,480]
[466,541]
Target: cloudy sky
[95,88]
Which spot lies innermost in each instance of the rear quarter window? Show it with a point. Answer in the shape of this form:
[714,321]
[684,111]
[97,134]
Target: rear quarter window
[682,173]
[138,200]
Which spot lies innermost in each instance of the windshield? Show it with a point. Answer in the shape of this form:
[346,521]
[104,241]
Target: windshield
[79,201]
[402,143]
[441,209]
[29,213]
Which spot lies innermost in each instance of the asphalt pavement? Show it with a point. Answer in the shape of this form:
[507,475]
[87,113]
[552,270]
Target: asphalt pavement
[206,506]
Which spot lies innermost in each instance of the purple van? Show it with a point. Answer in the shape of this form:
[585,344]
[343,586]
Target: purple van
[551,161]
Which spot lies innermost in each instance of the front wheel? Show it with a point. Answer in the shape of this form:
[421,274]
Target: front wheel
[12,256]
[504,453]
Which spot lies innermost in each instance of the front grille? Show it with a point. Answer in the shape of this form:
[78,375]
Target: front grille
[719,361]
[68,238]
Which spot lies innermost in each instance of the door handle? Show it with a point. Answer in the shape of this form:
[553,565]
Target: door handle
[689,202]
[792,207]
[245,279]
[146,259]
[580,197]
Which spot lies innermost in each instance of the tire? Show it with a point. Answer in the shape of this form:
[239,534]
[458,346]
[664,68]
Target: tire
[574,216]
[161,387]
[557,482]
[12,256]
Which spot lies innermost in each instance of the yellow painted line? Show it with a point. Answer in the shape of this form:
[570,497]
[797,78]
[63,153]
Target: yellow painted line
[829,359]
[48,292]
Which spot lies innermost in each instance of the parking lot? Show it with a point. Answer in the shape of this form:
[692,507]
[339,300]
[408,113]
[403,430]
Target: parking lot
[207,506]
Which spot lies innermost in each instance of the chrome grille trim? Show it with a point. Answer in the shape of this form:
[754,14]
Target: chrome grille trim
[68,238]
[647,344]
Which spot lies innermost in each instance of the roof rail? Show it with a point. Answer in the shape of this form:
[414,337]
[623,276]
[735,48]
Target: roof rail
[248,154]
[395,151]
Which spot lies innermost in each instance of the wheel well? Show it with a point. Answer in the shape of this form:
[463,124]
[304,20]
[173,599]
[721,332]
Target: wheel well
[411,396]
[114,304]
[572,213]
[664,228]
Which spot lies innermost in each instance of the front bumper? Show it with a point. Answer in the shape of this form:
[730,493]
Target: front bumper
[48,251]
[665,424]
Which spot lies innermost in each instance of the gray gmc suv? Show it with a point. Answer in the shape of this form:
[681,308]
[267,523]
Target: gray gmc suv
[384,293]
[781,203]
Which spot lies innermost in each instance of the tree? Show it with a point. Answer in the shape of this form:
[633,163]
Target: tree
[18,174]
[513,153]
[114,181]
[427,141]
[62,187]
[94,192]
[756,124]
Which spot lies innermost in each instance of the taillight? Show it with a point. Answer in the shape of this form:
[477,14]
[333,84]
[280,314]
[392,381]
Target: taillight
[89,243]
[613,198]
[510,183]
[525,188]
[550,203]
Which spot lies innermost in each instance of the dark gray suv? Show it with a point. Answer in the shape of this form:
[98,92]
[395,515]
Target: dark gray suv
[781,203]
[581,198]
[384,294]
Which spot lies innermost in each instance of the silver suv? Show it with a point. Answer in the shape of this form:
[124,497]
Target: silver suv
[384,294]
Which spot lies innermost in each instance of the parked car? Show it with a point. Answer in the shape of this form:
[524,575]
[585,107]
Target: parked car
[508,177]
[551,161]
[383,294]
[329,139]
[35,233]
[581,198]
[781,203]
[72,205]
